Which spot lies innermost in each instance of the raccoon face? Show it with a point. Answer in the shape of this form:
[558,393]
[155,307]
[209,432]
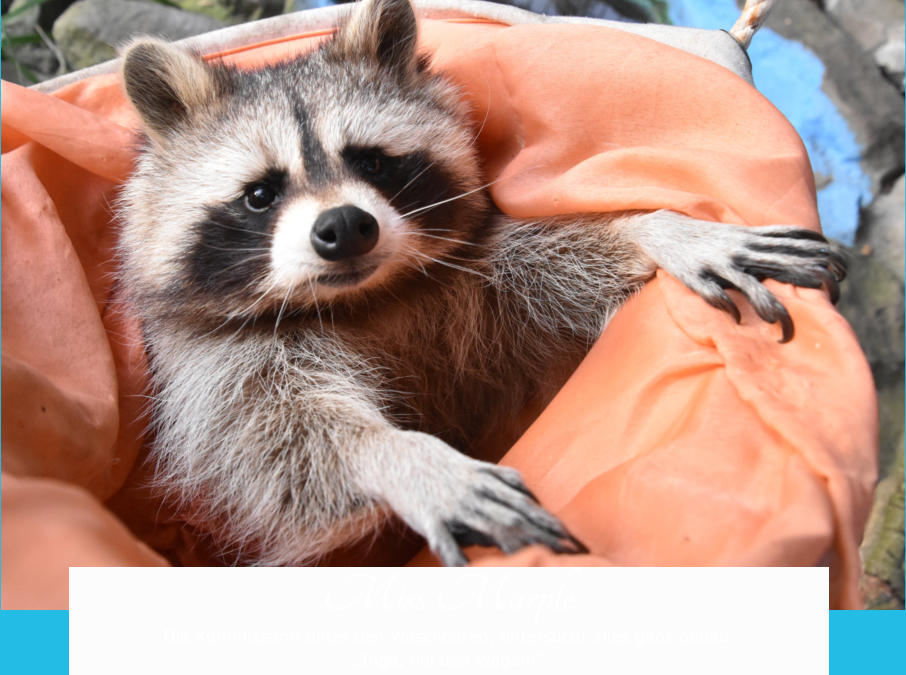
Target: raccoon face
[325,179]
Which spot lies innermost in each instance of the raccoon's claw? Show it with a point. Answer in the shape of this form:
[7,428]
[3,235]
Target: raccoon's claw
[788,254]
[498,510]
[767,307]
[549,522]
[455,501]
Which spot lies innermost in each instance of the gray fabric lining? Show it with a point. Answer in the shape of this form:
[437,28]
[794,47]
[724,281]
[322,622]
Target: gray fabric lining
[717,46]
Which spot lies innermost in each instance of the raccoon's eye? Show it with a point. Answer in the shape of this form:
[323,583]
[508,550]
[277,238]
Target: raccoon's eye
[371,163]
[259,197]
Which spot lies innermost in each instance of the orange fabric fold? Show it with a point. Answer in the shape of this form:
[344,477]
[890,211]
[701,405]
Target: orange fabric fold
[50,526]
[683,439]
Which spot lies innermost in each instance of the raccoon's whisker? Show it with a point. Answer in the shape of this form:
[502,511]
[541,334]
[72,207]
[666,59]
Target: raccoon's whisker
[280,313]
[434,236]
[221,325]
[423,230]
[487,113]
[411,181]
[259,298]
[247,312]
[230,248]
[447,256]
[450,199]
[454,266]
[436,229]
[422,267]
[149,397]
[269,235]
[243,262]
[414,265]
[413,259]
[314,297]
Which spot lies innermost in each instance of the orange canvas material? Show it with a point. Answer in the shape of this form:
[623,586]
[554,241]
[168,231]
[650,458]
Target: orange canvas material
[683,438]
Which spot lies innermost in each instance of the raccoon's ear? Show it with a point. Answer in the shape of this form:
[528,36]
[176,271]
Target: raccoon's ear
[166,83]
[381,30]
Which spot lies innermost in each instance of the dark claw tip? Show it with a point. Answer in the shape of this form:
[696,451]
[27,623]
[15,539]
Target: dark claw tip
[786,325]
[722,301]
[771,310]
[570,545]
[834,289]
[837,264]
[519,486]
[579,546]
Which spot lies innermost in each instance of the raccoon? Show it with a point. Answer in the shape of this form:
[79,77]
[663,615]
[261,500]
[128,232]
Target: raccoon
[338,318]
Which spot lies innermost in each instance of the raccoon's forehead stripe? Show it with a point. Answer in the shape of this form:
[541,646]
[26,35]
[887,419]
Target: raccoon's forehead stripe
[314,157]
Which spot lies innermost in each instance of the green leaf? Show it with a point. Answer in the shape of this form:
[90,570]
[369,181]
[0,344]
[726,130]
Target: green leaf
[643,10]
[13,40]
[21,9]
[27,72]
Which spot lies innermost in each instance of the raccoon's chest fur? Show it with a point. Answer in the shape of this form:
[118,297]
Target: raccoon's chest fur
[463,356]
[254,425]
[458,353]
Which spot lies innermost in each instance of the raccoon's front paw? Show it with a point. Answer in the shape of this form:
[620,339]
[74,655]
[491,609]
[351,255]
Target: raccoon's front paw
[455,501]
[740,258]
[494,508]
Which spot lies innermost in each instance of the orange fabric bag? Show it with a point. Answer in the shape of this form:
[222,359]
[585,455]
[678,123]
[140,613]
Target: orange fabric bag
[683,438]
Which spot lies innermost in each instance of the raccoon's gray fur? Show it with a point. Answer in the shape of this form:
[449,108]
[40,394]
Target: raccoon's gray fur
[331,304]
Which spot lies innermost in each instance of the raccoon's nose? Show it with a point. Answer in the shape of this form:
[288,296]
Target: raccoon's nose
[344,232]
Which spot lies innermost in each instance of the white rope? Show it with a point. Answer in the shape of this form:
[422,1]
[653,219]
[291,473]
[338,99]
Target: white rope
[753,15]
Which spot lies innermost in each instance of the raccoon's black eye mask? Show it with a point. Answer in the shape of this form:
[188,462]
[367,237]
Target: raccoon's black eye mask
[410,181]
[372,164]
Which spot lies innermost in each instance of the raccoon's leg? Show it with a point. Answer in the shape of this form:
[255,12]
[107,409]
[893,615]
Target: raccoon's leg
[283,450]
[709,257]
[453,500]
[569,274]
